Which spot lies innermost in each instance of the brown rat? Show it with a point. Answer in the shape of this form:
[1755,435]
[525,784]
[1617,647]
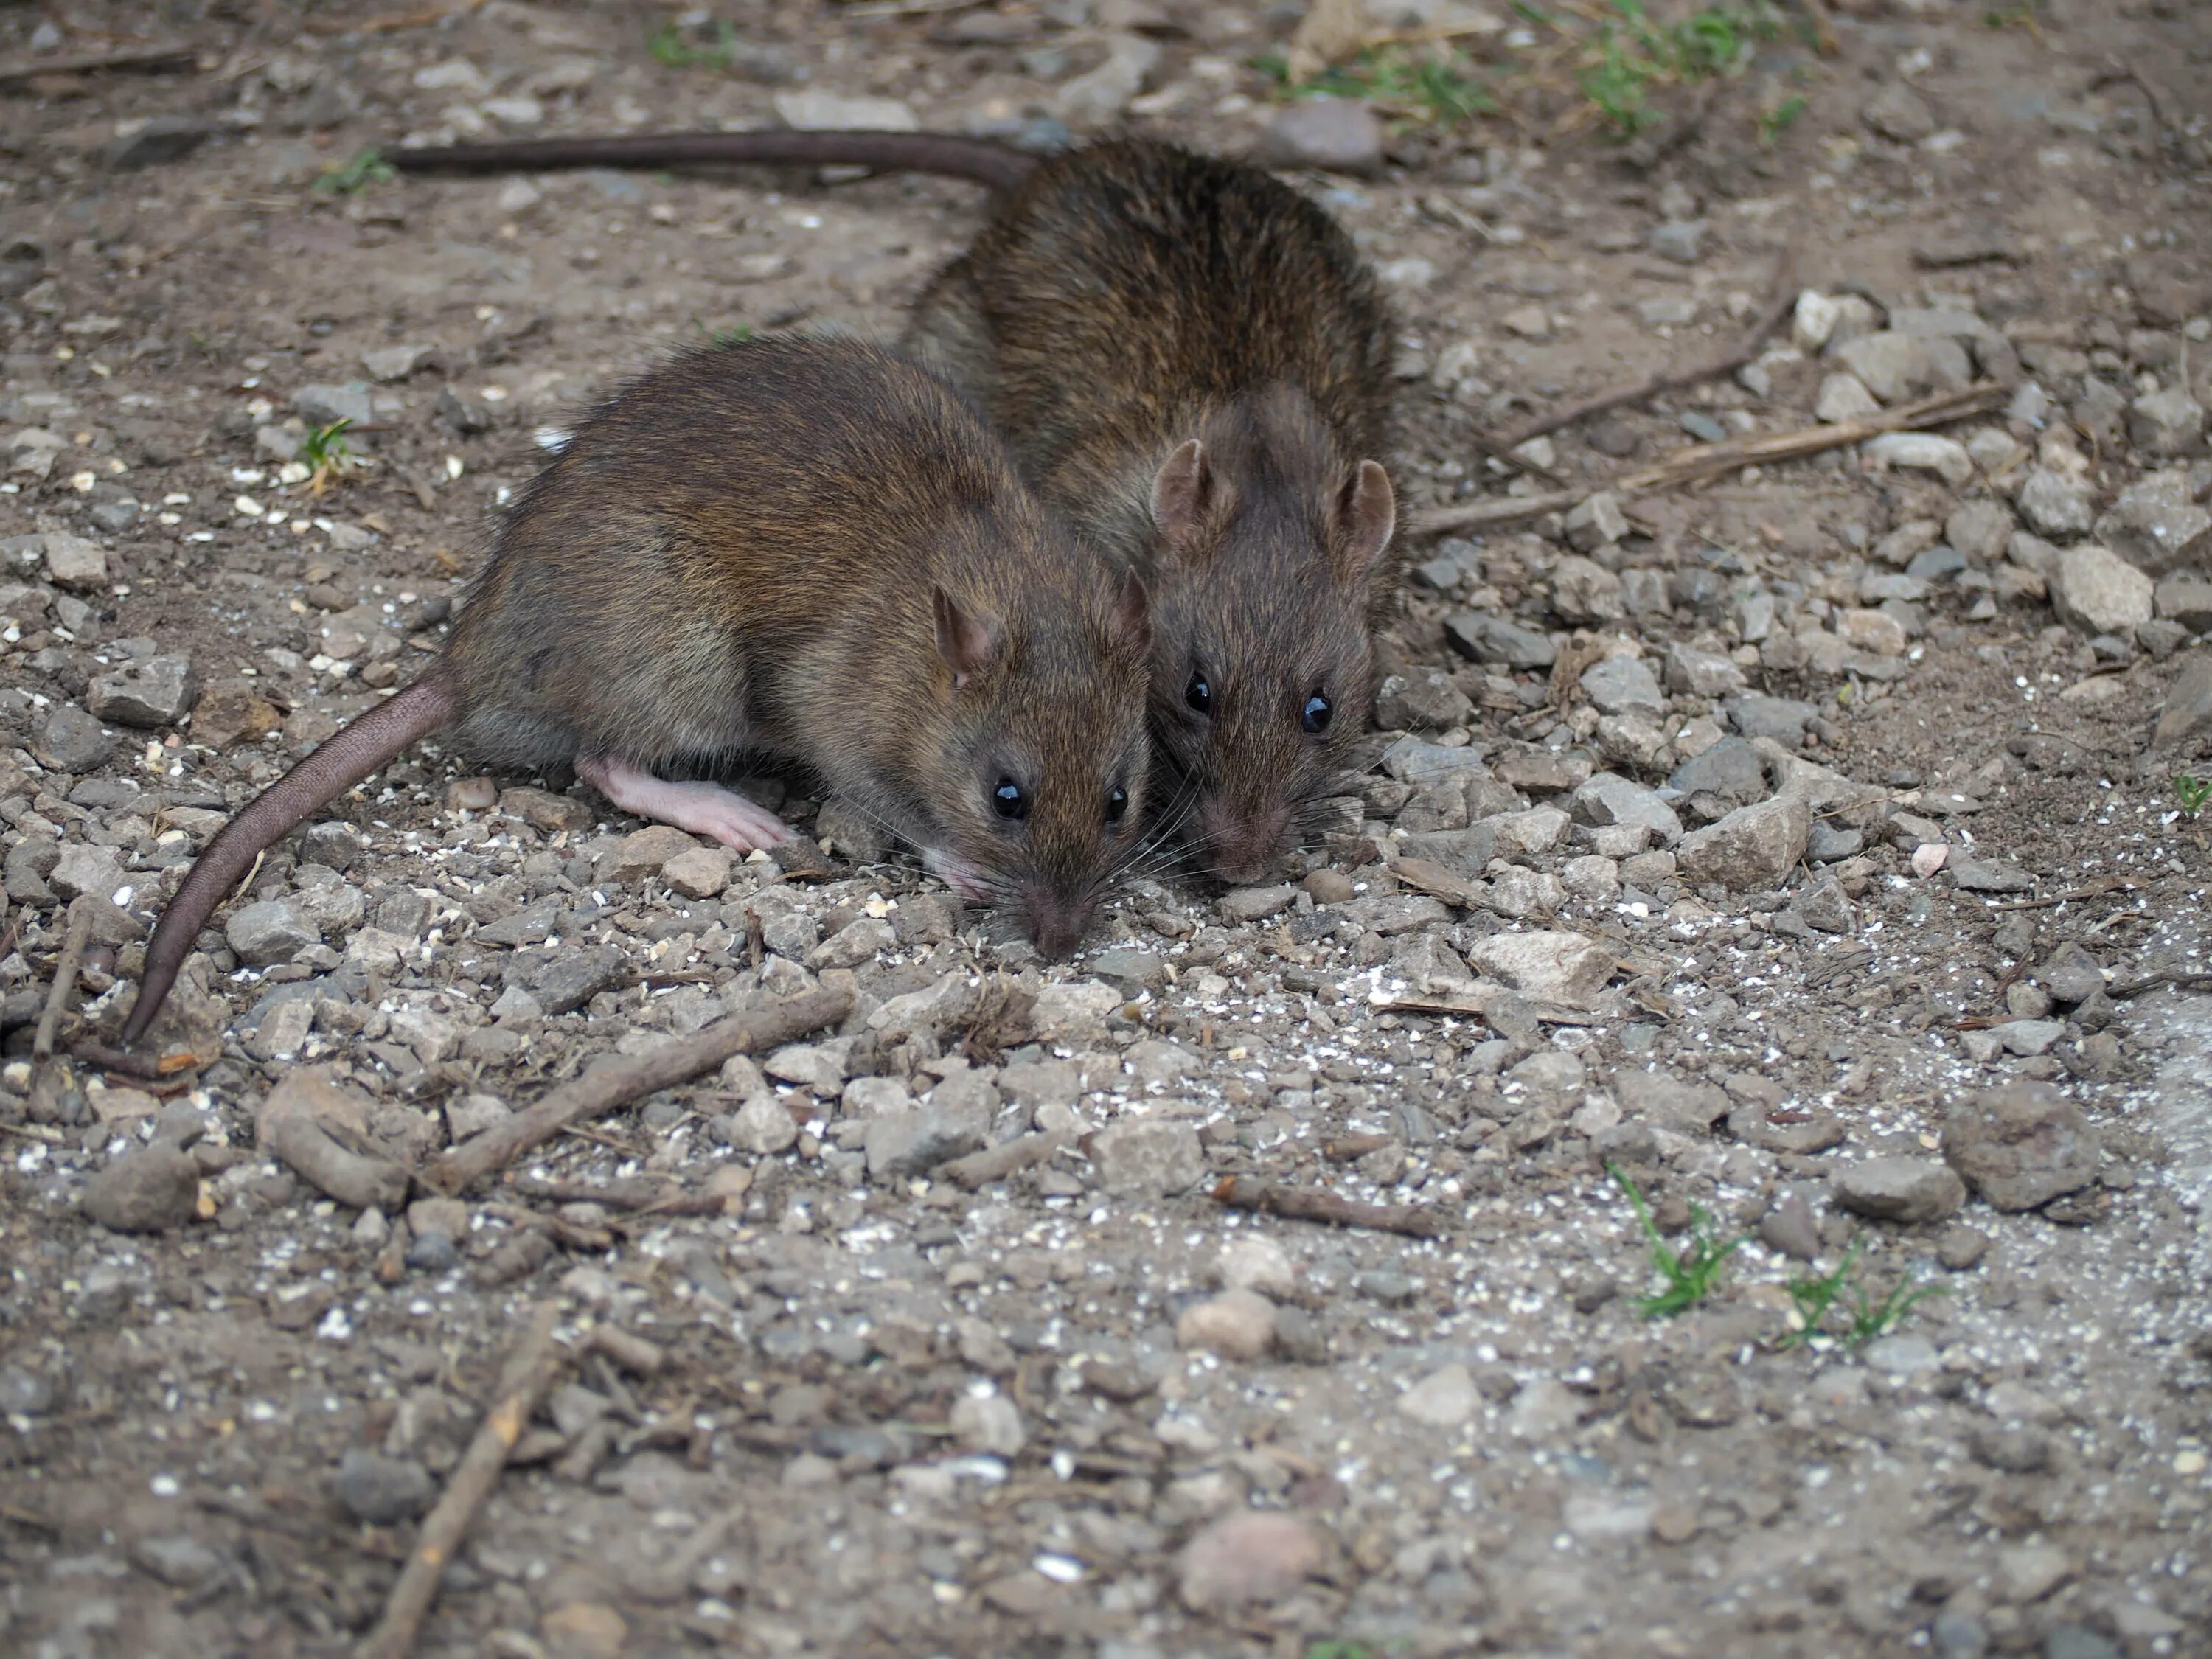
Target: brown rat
[808,549]
[1190,359]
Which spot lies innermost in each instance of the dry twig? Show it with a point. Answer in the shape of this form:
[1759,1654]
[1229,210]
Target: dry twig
[1698,461]
[618,1080]
[537,1360]
[997,1162]
[65,971]
[93,63]
[1309,1204]
[1635,391]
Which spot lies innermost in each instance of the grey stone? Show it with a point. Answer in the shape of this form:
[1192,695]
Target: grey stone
[1893,367]
[149,1189]
[1423,700]
[2054,504]
[1147,1158]
[1981,875]
[2186,598]
[1443,1399]
[1843,397]
[1596,522]
[381,1491]
[321,405]
[390,363]
[2021,1145]
[1830,841]
[163,138]
[269,930]
[1903,1356]
[1584,590]
[901,1144]
[2071,974]
[1703,673]
[75,563]
[1131,968]
[1900,114]
[1558,966]
[177,1560]
[25,1393]
[1666,1102]
[86,869]
[1979,529]
[1682,241]
[762,1125]
[71,740]
[1607,798]
[1243,904]
[1335,134]
[148,692]
[1497,640]
[2168,422]
[2188,708]
[566,979]
[2157,525]
[1101,94]
[1908,1189]
[1732,769]
[2098,591]
[1623,685]
[1753,848]
[1781,719]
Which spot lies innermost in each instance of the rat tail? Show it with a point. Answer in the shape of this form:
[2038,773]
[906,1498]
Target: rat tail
[999,166]
[335,766]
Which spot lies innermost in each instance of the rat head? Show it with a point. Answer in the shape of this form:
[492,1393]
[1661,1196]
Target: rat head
[1262,669]
[1043,749]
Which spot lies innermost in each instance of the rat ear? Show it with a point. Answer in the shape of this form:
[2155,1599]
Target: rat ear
[1366,514]
[1182,494]
[964,639]
[1129,627]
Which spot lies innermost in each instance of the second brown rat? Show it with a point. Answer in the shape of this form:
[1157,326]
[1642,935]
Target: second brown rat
[1191,361]
[805,548]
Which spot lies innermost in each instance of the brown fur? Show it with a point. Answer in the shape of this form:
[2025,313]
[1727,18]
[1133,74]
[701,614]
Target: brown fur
[1128,297]
[1124,298]
[809,550]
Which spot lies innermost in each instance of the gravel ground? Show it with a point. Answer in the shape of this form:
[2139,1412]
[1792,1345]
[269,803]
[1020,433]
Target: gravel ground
[1805,847]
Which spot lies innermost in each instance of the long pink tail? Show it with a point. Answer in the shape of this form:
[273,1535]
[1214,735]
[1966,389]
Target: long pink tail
[1000,166]
[336,765]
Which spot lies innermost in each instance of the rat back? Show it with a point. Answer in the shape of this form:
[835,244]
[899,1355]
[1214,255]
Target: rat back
[720,522]
[1178,283]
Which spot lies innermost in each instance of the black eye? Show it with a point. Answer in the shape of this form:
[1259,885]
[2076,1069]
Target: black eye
[1199,694]
[1314,717]
[1117,803]
[1010,799]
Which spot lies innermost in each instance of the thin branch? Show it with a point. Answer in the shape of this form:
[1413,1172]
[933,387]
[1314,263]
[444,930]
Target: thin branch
[537,1360]
[1778,306]
[1697,461]
[1310,1204]
[93,63]
[65,971]
[618,1080]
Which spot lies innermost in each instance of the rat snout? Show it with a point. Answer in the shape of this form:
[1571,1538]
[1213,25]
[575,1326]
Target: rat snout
[1240,843]
[1056,920]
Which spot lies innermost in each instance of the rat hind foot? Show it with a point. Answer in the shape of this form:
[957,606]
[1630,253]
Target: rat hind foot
[704,809]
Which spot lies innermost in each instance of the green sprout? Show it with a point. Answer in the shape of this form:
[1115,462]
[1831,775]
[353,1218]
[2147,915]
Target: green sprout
[1815,1296]
[1691,1275]
[671,50]
[1772,123]
[2191,792]
[736,334]
[1634,55]
[326,454]
[367,167]
[1435,88]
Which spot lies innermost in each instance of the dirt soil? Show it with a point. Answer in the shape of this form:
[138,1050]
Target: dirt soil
[1785,844]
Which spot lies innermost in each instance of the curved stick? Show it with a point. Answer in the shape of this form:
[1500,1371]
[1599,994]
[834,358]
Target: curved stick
[999,165]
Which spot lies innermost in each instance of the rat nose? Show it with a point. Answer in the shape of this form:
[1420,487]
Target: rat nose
[1056,922]
[1242,845]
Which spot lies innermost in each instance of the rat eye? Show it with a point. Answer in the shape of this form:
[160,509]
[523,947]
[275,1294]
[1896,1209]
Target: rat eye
[1010,800]
[1199,694]
[1117,803]
[1315,715]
